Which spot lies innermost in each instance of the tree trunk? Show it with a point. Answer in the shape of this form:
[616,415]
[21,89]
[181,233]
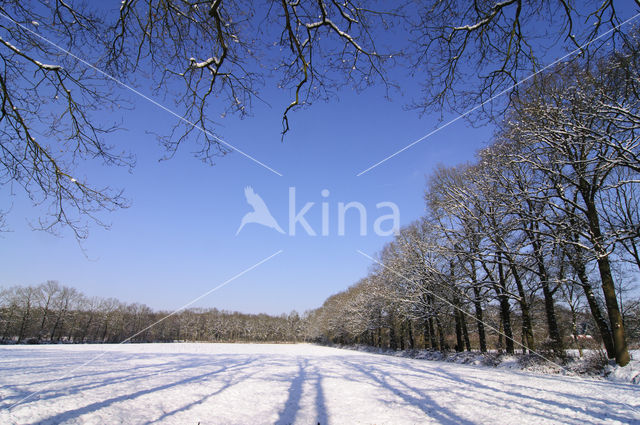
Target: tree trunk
[465,331]
[432,333]
[598,317]
[527,327]
[505,316]
[410,331]
[55,328]
[45,313]
[23,324]
[477,303]
[543,275]
[426,334]
[621,351]
[615,318]
[442,343]
[552,323]
[393,344]
[456,309]
[505,308]
[459,342]
[104,332]
[86,328]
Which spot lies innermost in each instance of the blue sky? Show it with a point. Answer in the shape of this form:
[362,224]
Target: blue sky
[177,240]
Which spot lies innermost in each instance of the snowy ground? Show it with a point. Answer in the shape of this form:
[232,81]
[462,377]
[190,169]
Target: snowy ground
[589,365]
[283,384]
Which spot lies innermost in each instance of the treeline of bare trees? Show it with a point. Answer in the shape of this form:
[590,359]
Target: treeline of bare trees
[543,228]
[54,313]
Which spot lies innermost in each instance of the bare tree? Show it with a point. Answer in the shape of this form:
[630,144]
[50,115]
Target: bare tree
[578,125]
[49,105]
[471,51]
[210,57]
[48,292]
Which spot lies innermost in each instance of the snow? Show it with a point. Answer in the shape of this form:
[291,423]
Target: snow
[588,365]
[284,384]
[629,373]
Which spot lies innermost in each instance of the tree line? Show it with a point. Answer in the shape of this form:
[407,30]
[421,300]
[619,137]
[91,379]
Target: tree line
[533,242]
[531,246]
[53,313]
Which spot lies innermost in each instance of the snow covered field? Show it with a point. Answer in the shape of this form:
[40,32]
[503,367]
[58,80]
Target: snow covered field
[283,384]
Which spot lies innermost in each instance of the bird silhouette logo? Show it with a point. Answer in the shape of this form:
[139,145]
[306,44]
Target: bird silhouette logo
[260,213]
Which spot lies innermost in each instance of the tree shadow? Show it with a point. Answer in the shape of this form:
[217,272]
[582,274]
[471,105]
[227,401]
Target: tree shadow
[65,416]
[399,381]
[322,416]
[420,400]
[599,411]
[606,410]
[228,383]
[156,369]
[292,405]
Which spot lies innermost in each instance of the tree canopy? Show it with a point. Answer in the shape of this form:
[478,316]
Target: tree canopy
[64,62]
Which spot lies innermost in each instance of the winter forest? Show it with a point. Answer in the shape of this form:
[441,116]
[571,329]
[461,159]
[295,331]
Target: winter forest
[542,229]
[147,150]
[532,247]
